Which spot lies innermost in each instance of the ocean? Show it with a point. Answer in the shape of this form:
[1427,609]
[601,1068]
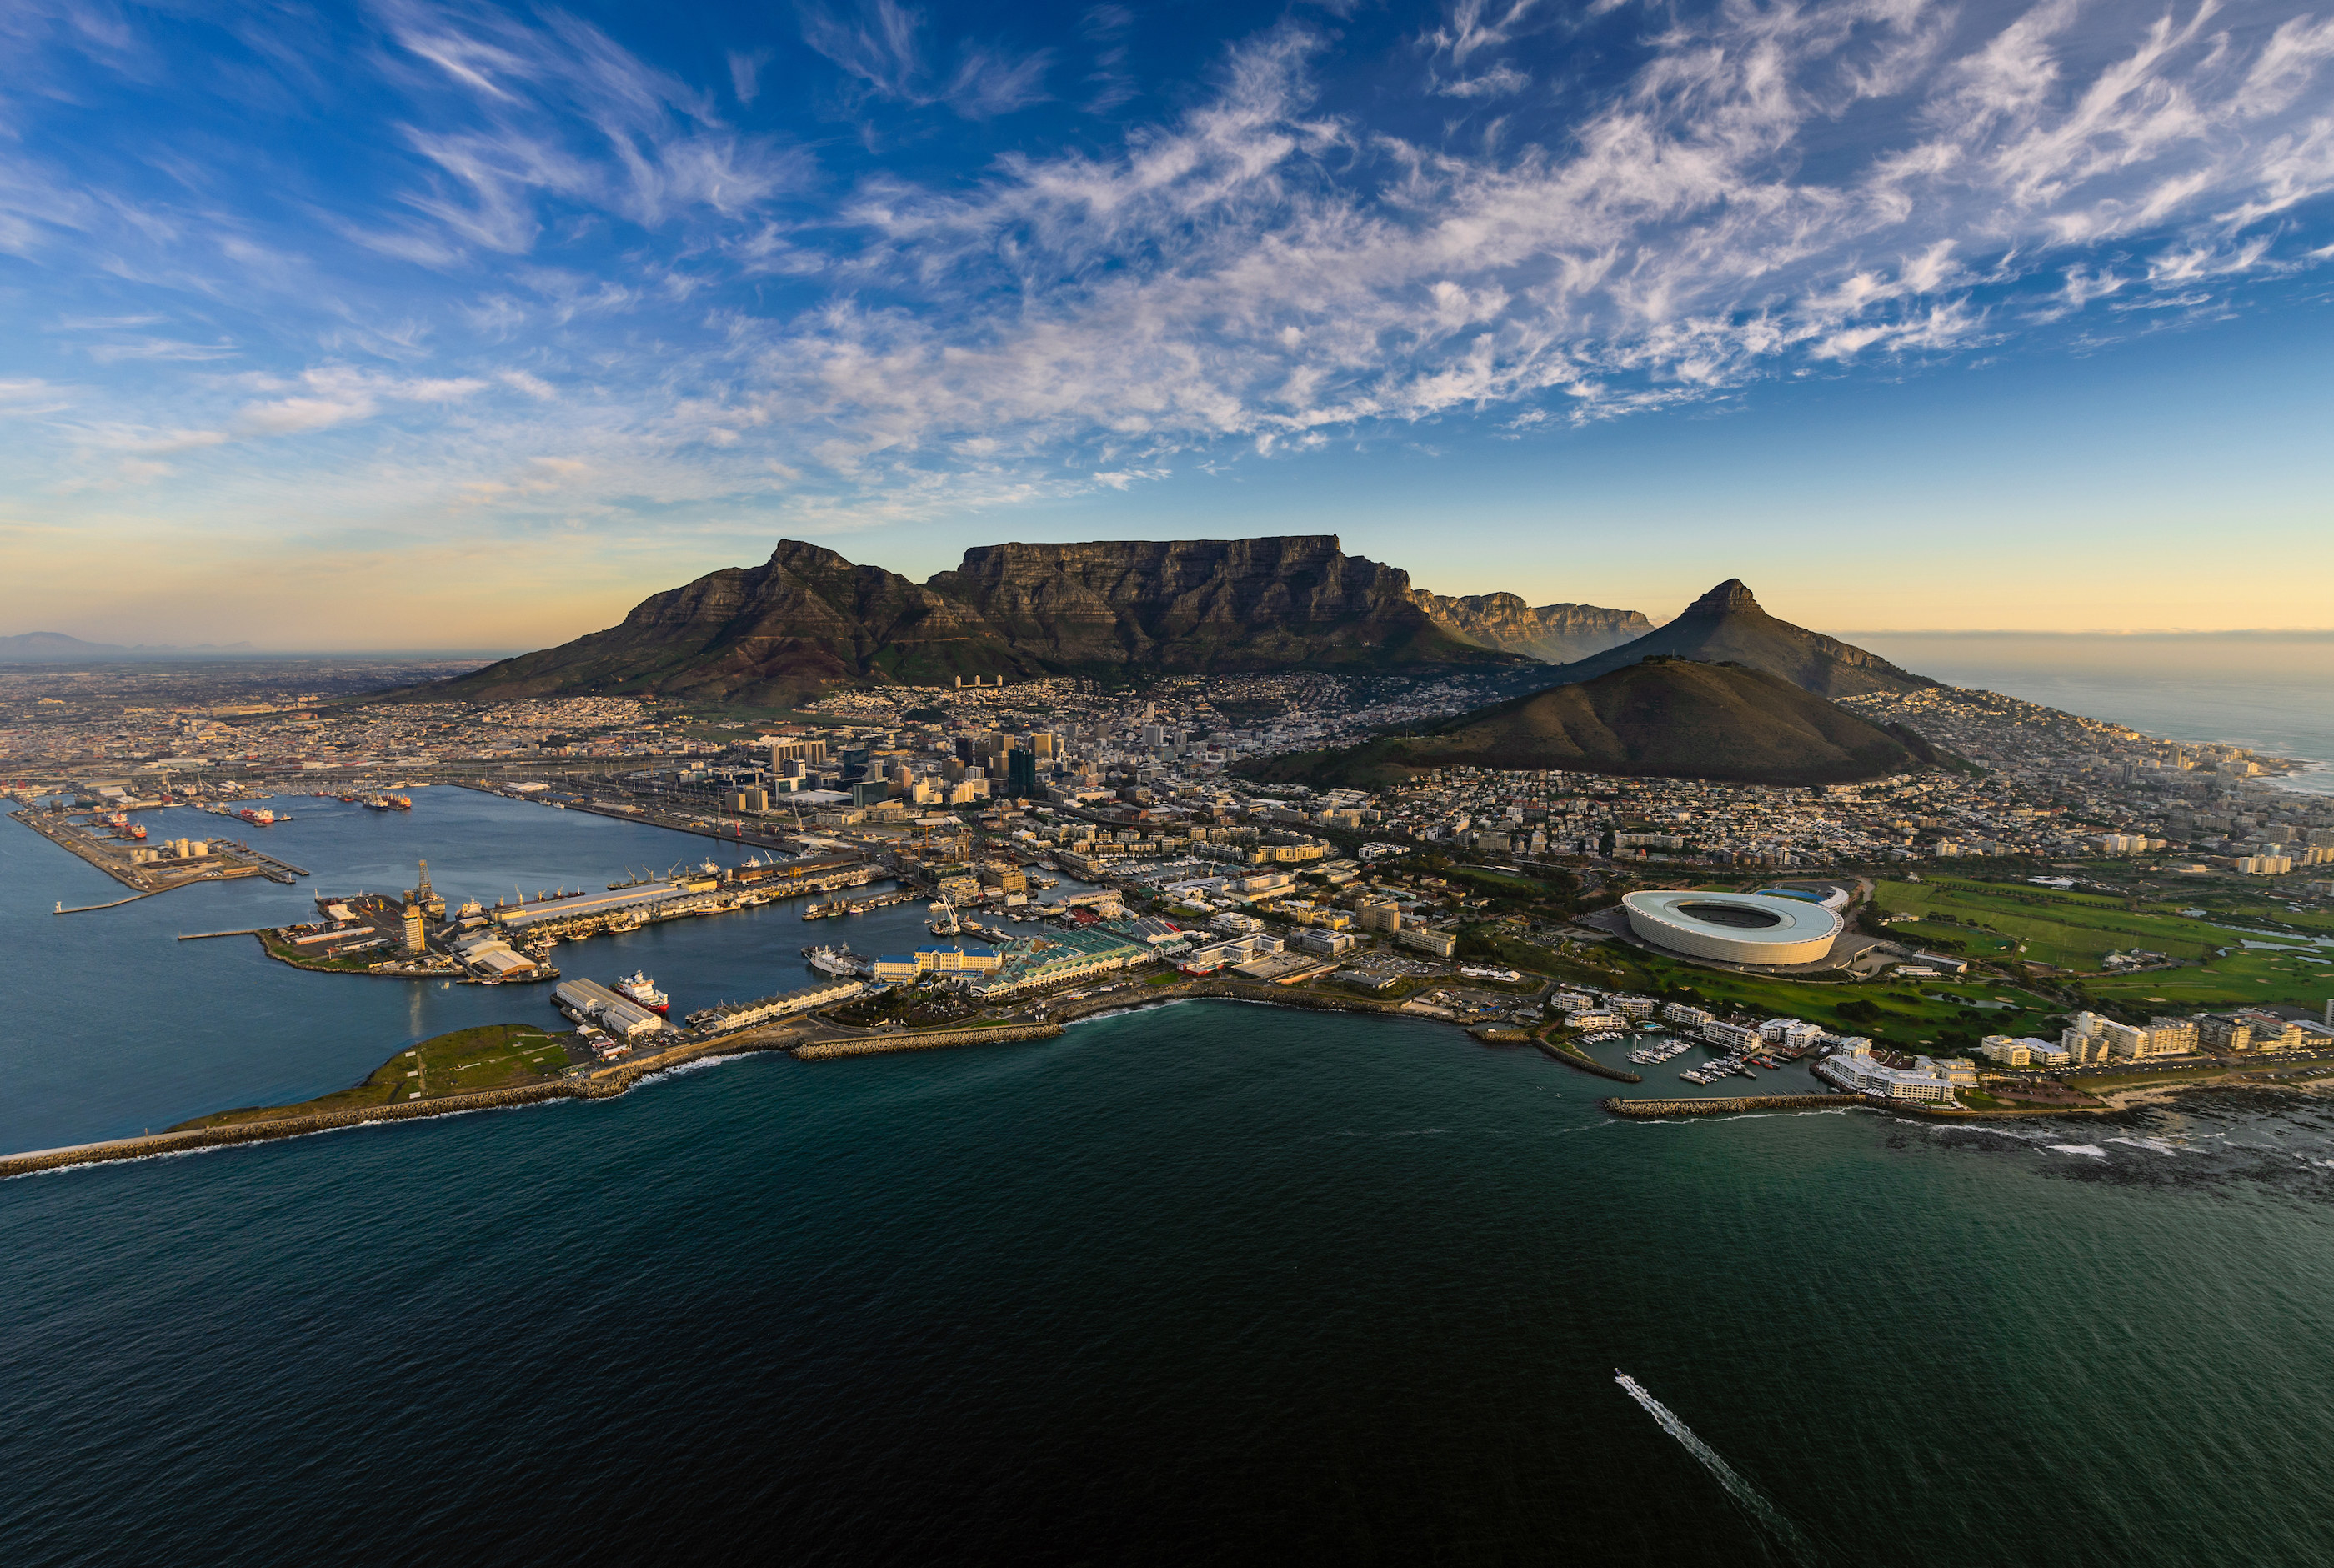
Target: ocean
[1207,1282]
[2272,691]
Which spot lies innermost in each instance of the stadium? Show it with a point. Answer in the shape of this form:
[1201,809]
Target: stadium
[1738,927]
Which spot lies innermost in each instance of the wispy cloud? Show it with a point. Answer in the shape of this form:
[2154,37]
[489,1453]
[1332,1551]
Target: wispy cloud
[880,44]
[560,247]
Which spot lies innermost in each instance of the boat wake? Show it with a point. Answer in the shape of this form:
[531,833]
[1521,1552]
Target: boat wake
[1753,1501]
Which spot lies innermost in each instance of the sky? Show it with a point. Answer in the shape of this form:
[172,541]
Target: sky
[407,325]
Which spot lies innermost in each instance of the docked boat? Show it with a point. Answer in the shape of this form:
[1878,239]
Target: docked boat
[838,960]
[638,987]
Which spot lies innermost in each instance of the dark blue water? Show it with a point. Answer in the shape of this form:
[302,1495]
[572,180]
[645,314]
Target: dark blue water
[119,1027]
[1207,1283]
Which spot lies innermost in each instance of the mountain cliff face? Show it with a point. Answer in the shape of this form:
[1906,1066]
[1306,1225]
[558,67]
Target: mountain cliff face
[1551,633]
[1726,625]
[1199,604]
[808,619]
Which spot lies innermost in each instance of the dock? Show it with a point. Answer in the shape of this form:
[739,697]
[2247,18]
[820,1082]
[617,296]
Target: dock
[841,906]
[224,860]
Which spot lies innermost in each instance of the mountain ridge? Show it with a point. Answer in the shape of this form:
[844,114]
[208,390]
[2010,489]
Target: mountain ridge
[808,620]
[1551,633]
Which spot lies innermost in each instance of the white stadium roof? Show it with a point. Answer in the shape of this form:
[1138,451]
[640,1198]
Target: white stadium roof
[1740,928]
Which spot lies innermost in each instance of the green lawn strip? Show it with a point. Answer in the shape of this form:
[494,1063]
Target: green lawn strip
[490,1056]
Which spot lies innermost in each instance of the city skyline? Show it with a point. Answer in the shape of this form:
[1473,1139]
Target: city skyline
[432,326]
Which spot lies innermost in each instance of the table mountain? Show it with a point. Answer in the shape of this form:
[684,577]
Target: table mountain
[1726,624]
[1663,717]
[807,619]
[1551,633]
[1197,605]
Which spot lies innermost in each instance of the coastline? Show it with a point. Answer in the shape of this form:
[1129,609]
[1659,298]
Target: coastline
[609,1082]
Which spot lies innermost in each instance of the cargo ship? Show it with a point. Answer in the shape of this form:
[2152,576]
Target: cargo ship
[388,803]
[260,817]
[638,987]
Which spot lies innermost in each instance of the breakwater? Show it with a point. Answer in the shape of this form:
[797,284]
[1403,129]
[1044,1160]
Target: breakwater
[605,1084]
[929,1040]
[1588,1064]
[1720,1105]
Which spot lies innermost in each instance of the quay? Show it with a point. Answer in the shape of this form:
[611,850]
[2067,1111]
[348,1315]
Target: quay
[148,871]
[841,906]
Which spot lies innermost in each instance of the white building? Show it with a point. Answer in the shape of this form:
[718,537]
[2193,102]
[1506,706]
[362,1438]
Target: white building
[1855,1069]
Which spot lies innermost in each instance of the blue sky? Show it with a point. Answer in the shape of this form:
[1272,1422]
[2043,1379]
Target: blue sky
[407,324]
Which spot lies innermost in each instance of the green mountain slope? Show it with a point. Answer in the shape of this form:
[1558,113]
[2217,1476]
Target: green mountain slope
[1663,717]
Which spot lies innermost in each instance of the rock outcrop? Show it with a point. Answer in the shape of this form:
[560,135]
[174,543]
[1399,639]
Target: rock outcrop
[1551,633]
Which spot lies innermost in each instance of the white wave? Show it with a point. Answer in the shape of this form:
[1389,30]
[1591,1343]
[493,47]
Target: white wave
[1753,1501]
[1133,1007]
[2154,1145]
[2092,1149]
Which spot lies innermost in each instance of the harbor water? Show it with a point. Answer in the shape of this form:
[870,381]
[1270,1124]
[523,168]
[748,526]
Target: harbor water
[1203,1283]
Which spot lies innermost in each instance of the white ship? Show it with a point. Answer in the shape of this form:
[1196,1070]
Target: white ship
[638,987]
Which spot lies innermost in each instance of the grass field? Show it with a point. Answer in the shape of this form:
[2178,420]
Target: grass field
[2247,978]
[2075,930]
[491,1056]
[2067,930]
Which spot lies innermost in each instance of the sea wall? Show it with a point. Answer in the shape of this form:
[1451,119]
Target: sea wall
[605,1084]
[1716,1105]
[907,1040]
[1289,996]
